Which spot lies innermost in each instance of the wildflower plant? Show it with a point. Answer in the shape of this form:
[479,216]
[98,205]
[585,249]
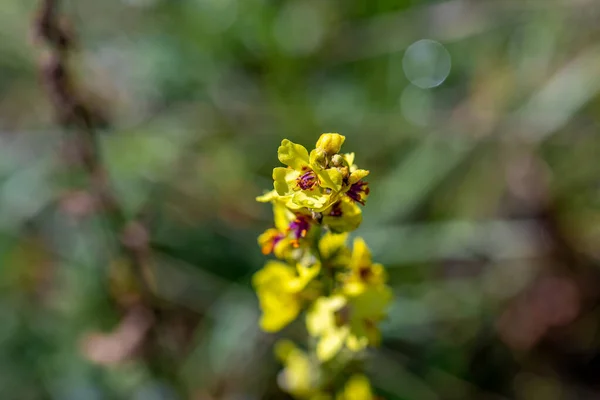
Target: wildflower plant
[340,292]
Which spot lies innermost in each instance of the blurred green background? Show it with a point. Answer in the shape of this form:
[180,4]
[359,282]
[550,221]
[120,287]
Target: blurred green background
[483,147]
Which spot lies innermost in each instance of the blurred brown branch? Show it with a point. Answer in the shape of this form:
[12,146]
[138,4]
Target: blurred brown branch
[144,318]
[147,318]
[81,120]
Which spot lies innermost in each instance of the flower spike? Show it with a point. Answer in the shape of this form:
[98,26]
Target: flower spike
[342,293]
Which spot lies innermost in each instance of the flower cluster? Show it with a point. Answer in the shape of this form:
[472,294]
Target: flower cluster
[343,294]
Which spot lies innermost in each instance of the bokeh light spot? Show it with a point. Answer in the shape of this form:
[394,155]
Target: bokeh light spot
[426,63]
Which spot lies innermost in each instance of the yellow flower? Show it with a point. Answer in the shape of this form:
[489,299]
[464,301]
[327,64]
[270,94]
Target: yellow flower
[342,216]
[299,375]
[354,185]
[366,311]
[333,250]
[355,173]
[324,321]
[318,180]
[358,191]
[362,271]
[357,388]
[279,286]
[338,321]
[302,183]
[289,229]
[269,239]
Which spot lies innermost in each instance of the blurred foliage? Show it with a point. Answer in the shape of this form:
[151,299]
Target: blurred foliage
[485,193]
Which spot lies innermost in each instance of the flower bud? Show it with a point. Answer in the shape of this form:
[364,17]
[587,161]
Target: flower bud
[337,160]
[331,143]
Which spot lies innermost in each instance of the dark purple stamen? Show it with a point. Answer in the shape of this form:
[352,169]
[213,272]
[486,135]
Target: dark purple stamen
[356,191]
[299,227]
[276,239]
[365,273]
[336,210]
[307,180]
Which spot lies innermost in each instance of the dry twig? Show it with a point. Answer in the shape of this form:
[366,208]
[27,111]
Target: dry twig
[81,120]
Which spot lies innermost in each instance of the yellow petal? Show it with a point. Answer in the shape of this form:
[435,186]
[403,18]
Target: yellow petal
[343,217]
[356,344]
[274,321]
[293,155]
[372,303]
[306,274]
[313,199]
[283,248]
[320,318]
[379,275]
[267,197]
[354,287]
[266,240]
[331,243]
[361,255]
[284,180]
[283,349]
[292,205]
[357,388]
[349,157]
[330,178]
[279,305]
[273,271]
[298,376]
[357,175]
[368,308]
[282,215]
[331,343]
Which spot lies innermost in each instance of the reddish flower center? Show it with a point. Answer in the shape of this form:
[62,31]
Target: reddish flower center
[365,273]
[299,228]
[307,180]
[336,210]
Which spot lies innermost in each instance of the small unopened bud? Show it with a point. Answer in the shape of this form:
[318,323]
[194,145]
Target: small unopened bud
[331,143]
[337,160]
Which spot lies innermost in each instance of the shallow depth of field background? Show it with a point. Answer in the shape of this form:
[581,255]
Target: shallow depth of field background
[484,150]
